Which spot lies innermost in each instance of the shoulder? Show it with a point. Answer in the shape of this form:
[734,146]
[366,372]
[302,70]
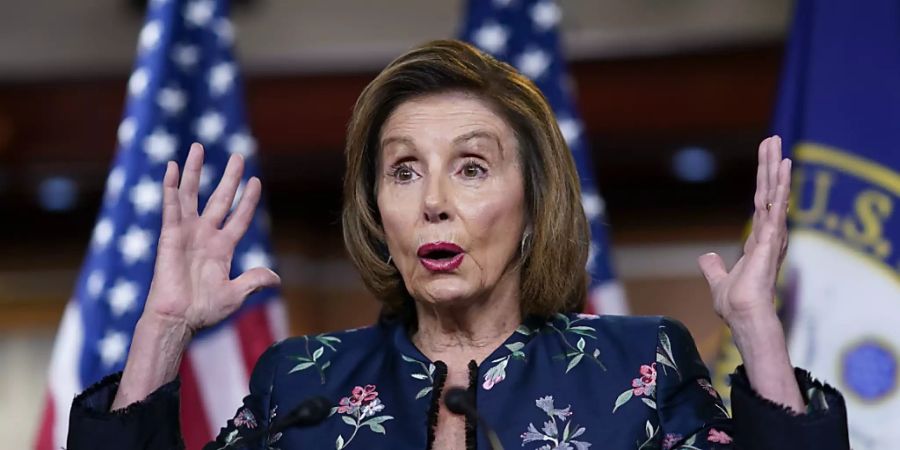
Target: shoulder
[307,351]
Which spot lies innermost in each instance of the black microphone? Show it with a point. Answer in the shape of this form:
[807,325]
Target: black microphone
[308,413]
[459,401]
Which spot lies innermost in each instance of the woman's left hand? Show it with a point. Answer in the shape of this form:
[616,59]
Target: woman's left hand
[745,296]
[748,290]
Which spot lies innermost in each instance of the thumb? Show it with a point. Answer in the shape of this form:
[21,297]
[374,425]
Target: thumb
[256,279]
[713,268]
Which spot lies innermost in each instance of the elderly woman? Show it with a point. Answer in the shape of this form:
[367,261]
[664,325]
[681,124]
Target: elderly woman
[462,213]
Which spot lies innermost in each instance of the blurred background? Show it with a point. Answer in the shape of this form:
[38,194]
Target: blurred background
[674,95]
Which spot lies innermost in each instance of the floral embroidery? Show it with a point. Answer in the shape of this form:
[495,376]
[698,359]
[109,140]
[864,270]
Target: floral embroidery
[550,431]
[244,418]
[707,386]
[664,352]
[315,358]
[576,353]
[643,386]
[652,433]
[497,372]
[359,410]
[719,437]
[427,373]
[669,440]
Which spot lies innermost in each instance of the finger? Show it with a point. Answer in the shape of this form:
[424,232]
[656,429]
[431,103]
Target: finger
[778,214]
[190,182]
[254,280]
[171,211]
[713,268]
[221,199]
[239,220]
[760,198]
[774,161]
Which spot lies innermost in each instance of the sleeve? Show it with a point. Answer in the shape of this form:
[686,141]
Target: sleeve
[691,413]
[153,424]
[762,424]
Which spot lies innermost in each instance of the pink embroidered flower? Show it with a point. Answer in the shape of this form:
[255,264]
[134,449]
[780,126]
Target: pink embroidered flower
[646,384]
[719,437]
[490,382]
[244,418]
[670,440]
[363,395]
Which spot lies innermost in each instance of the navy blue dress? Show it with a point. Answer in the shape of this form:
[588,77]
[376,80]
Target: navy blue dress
[572,382]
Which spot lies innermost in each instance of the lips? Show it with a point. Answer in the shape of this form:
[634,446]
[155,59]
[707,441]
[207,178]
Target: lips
[440,256]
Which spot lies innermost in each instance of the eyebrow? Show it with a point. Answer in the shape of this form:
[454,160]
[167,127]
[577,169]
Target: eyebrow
[458,140]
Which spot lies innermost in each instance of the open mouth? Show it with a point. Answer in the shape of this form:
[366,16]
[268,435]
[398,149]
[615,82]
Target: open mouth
[440,256]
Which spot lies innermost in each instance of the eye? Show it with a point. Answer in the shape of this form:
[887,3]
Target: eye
[473,170]
[403,173]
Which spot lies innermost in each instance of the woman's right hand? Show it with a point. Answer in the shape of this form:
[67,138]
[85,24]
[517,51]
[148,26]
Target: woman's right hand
[191,282]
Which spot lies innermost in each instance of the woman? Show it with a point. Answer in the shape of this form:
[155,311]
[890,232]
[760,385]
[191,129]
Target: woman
[463,215]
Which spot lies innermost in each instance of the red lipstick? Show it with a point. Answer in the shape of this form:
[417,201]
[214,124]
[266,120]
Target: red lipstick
[440,256]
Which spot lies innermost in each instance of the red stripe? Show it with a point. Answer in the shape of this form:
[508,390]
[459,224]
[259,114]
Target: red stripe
[254,334]
[44,438]
[589,307]
[194,427]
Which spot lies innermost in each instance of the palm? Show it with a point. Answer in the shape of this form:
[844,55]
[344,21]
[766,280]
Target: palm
[750,285]
[191,280]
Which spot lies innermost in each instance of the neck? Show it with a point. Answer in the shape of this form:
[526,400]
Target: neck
[459,334]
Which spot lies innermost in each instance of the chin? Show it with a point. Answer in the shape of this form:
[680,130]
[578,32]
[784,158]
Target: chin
[445,292]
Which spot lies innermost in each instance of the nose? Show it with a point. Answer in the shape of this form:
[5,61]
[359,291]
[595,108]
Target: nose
[435,205]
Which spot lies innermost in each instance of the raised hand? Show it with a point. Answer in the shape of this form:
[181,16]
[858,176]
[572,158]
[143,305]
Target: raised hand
[191,286]
[748,290]
[191,281]
[744,297]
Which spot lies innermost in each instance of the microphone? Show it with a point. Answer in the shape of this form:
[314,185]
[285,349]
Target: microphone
[308,413]
[459,401]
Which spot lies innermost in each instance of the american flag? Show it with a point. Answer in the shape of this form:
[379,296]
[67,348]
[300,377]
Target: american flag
[525,33]
[185,87]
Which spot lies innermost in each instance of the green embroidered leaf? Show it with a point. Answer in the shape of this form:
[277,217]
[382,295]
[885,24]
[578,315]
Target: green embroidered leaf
[230,437]
[648,428]
[649,402]
[691,440]
[408,359]
[515,346]
[522,329]
[423,392]
[667,347]
[318,353]
[664,360]
[376,428]
[565,436]
[333,410]
[518,355]
[596,352]
[420,376]
[302,358]
[325,342]
[622,399]
[339,444]
[326,365]
[301,366]
[584,333]
[574,362]
[580,344]
[325,337]
[431,369]
[564,318]
[348,420]
[584,329]
[377,420]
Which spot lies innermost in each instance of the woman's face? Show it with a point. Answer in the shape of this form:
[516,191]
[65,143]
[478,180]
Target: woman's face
[451,198]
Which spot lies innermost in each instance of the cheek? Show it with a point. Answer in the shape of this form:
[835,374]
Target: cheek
[497,222]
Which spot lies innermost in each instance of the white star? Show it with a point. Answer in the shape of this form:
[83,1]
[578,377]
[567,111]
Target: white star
[135,245]
[95,282]
[114,184]
[221,77]
[138,82]
[199,12]
[502,3]
[103,233]
[593,205]
[546,14]
[255,257]
[160,146]
[158,3]
[242,144]
[149,36]
[186,56]
[224,30]
[570,129]
[171,100]
[533,63]
[146,196]
[491,38]
[210,126]
[206,177]
[126,131]
[122,297]
[112,348]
